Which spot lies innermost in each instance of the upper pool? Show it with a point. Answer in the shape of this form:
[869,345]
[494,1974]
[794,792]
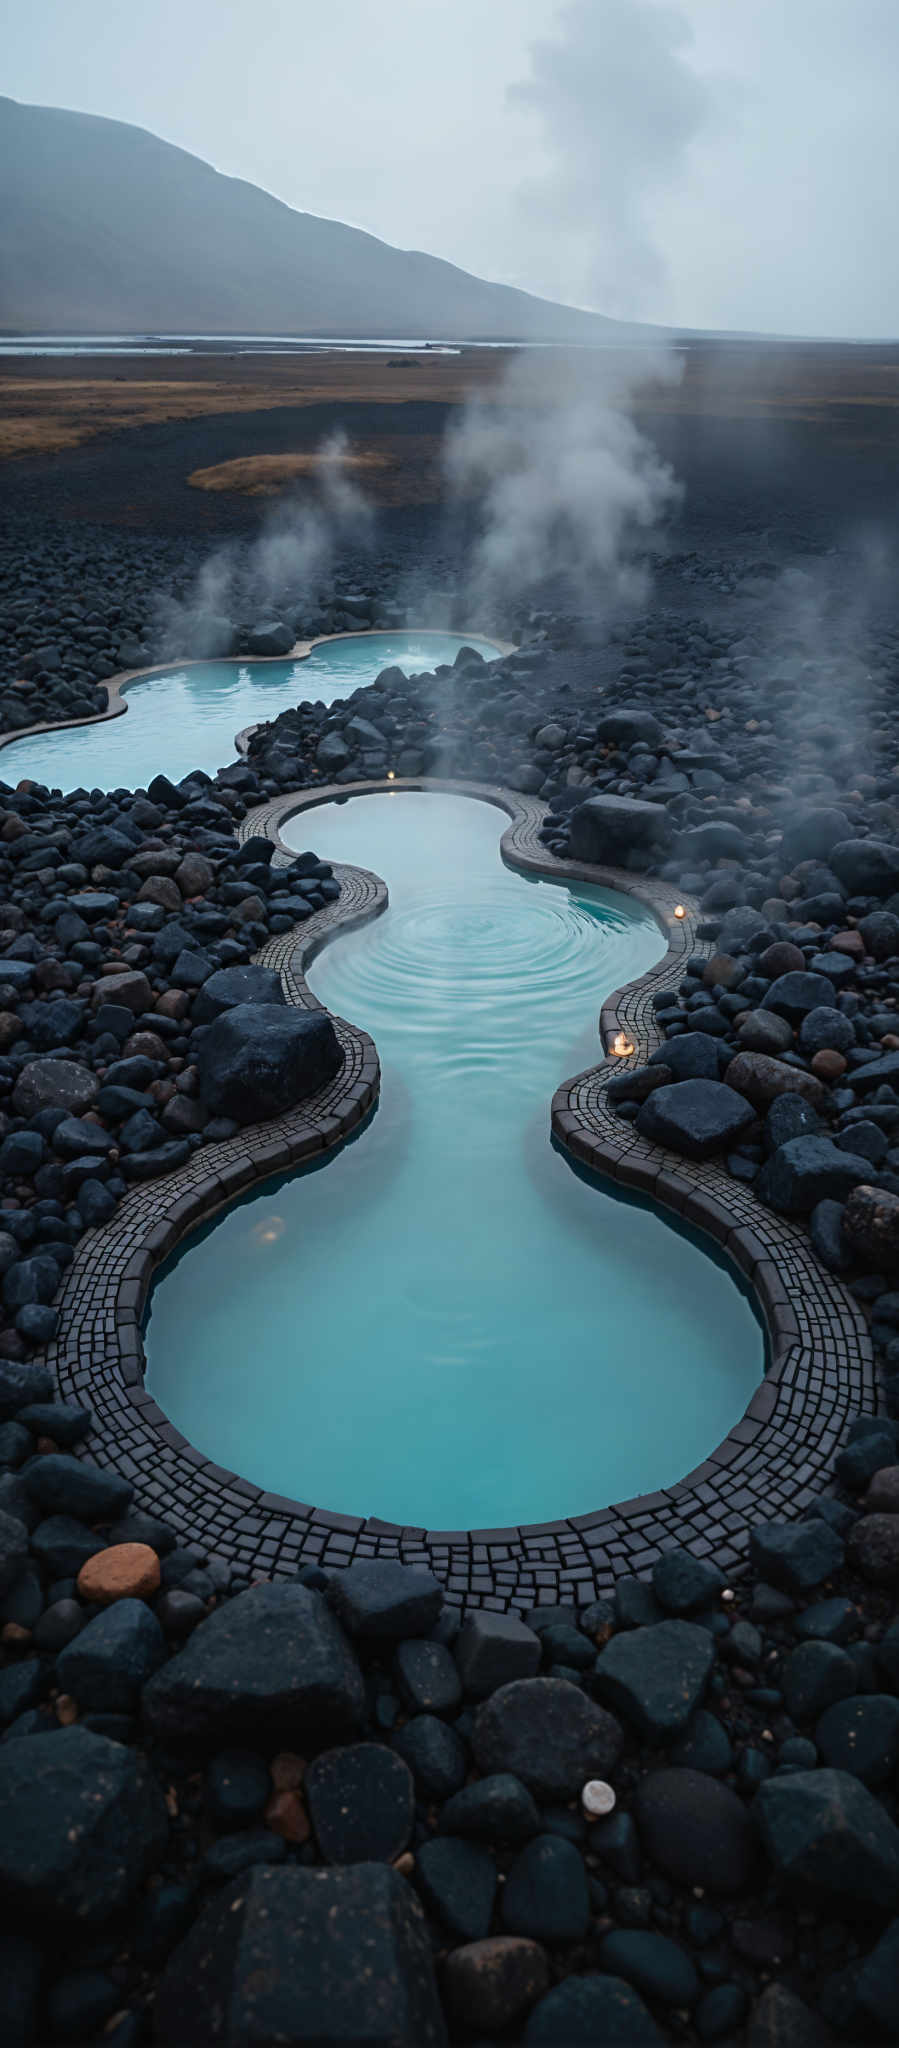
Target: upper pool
[183,718]
[446,1324]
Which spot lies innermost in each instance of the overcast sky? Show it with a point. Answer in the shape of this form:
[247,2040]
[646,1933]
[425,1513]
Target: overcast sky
[714,163]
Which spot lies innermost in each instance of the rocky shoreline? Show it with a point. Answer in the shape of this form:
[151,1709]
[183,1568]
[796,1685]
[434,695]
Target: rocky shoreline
[330,1810]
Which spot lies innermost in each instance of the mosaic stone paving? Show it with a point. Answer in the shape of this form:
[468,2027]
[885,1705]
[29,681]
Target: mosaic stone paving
[821,1370]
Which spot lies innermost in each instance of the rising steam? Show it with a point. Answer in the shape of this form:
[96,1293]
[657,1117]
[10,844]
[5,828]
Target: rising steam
[568,487]
[292,554]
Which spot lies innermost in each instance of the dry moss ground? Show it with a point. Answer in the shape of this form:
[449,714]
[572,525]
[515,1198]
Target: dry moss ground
[59,402]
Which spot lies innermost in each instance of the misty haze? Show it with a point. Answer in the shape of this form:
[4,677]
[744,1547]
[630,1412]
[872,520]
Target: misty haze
[449,1025]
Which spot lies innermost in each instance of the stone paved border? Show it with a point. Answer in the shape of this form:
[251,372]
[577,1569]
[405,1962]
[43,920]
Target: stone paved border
[820,1373]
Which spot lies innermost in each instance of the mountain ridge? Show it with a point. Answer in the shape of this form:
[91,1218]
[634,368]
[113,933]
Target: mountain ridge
[86,247]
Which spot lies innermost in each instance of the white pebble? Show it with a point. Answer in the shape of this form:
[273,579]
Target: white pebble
[597,1798]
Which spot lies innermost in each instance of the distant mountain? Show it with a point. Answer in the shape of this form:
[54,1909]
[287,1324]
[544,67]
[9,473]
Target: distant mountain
[106,229]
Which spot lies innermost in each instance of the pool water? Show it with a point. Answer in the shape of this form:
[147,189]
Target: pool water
[446,1324]
[184,718]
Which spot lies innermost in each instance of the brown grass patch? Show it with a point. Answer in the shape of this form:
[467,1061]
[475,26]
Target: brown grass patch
[264,476]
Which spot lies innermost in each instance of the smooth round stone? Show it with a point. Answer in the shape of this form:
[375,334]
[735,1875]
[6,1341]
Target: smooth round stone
[458,1883]
[361,1802]
[583,2012]
[695,1829]
[545,1895]
[720,2012]
[652,1963]
[59,1624]
[496,1809]
[597,1799]
[126,1571]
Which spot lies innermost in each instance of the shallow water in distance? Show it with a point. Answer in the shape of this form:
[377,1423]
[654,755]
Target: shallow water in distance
[184,718]
[445,1325]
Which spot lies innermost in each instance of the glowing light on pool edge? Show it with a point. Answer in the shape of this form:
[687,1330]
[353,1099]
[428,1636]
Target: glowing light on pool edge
[621,1046]
[269,1230]
[679,910]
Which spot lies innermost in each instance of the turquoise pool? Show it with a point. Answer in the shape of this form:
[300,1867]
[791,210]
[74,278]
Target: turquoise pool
[184,718]
[445,1324]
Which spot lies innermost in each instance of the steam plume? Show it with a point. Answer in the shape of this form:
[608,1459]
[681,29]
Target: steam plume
[288,559]
[569,488]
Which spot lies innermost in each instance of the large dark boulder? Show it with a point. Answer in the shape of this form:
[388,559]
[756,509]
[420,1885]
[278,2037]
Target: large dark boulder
[378,1599]
[866,867]
[806,1171]
[812,834]
[55,1084]
[110,1659]
[267,1668]
[654,1677]
[716,840]
[63,1485]
[547,1733]
[795,1556]
[697,1118]
[269,636]
[231,986]
[607,830]
[82,1821]
[829,1841]
[628,724]
[796,994]
[691,1056]
[307,1958]
[258,1059]
[761,1079]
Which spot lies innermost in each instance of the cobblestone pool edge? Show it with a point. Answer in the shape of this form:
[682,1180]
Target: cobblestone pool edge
[821,1367]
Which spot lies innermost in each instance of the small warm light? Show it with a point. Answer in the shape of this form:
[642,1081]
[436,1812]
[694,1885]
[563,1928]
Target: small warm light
[390,775]
[269,1231]
[679,910]
[621,1045]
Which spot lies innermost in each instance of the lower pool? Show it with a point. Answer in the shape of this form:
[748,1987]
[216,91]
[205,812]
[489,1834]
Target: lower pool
[446,1324]
[183,718]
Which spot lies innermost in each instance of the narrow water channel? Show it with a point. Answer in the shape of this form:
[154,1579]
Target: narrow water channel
[446,1325]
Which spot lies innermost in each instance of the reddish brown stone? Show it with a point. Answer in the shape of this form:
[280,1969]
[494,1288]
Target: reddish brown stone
[126,1571]
[286,1815]
[828,1065]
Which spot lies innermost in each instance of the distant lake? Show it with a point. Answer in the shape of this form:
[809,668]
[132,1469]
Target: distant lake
[263,345]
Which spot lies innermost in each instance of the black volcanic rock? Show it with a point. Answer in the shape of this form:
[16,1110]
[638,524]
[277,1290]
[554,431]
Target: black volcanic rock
[305,1957]
[258,1059]
[266,1667]
[81,1823]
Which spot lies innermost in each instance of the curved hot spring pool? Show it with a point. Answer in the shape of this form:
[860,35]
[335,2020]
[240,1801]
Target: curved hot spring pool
[183,718]
[446,1324]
